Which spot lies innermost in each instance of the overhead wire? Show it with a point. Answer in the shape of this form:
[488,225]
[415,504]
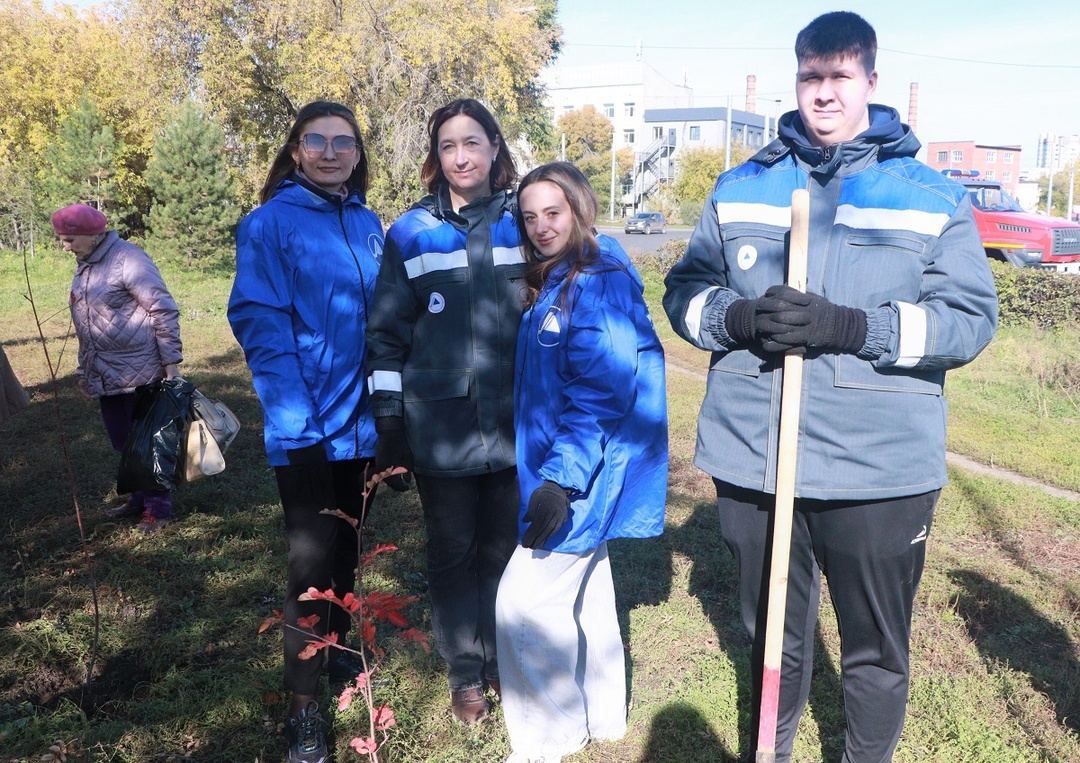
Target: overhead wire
[718,48]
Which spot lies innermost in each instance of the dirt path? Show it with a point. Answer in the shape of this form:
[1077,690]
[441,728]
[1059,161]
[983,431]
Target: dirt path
[955,459]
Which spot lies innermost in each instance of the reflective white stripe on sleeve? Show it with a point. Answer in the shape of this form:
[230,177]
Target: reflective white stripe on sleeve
[432,262]
[507,255]
[913,327]
[694,312]
[384,381]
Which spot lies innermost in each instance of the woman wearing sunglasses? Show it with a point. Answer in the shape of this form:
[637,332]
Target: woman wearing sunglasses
[306,264]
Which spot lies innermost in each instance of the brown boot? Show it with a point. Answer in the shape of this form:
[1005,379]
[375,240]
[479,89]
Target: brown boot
[469,705]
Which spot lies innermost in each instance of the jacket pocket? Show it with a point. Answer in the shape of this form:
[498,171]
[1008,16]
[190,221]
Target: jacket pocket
[884,240]
[514,272]
[439,281]
[756,258]
[852,373]
[513,283]
[423,385]
[442,329]
[742,362]
[877,267]
[441,421]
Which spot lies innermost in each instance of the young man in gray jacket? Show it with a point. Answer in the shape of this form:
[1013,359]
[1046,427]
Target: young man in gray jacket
[898,292]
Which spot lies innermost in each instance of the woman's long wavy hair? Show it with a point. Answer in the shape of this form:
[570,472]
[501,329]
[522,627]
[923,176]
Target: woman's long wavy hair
[283,164]
[582,250]
[503,171]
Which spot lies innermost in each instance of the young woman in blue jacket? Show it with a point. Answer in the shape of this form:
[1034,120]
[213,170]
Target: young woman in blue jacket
[306,264]
[591,422]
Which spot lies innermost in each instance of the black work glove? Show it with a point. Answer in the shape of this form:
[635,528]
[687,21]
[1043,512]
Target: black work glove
[312,474]
[392,449]
[788,319]
[549,506]
[739,321]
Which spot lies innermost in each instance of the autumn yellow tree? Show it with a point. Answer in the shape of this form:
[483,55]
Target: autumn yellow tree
[394,61]
[588,135]
[251,65]
[698,169]
[51,60]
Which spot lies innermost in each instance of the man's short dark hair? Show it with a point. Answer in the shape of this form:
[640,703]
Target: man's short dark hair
[839,34]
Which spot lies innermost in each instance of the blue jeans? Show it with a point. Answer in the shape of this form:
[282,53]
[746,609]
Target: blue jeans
[472,530]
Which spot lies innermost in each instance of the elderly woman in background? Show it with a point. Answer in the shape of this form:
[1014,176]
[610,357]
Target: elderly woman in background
[128,327]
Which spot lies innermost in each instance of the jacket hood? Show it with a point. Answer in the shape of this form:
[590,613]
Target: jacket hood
[297,190]
[439,206]
[609,256]
[887,136]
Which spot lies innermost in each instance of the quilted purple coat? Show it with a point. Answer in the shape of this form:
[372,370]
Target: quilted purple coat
[127,322]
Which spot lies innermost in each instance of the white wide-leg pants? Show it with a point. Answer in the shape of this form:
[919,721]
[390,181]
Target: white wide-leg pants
[561,662]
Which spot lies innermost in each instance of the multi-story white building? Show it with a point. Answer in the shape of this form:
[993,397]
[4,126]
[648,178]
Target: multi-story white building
[621,92]
[1056,152]
[650,114]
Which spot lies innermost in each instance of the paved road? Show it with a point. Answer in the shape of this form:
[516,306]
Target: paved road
[640,241]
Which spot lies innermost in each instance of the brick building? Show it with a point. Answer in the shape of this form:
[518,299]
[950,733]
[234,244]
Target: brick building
[1000,163]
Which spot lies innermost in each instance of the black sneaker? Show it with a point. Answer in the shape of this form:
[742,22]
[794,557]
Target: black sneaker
[304,733]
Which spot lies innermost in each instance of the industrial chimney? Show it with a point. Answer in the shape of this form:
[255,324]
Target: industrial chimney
[751,93]
[913,107]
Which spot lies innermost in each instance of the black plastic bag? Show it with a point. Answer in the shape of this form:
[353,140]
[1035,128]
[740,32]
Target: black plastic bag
[153,454]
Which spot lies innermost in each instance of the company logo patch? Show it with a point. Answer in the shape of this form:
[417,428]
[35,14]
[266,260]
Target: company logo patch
[747,256]
[375,244]
[921,537]
[436,303]
[550,331]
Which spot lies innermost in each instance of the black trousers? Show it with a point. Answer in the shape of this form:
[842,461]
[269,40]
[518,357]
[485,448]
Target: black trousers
[472,530]
[323,552]
[872,556]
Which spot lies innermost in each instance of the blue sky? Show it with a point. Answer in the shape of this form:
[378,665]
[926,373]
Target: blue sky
[992,72]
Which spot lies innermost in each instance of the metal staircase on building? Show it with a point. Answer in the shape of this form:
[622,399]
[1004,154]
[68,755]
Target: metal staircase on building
[652,168]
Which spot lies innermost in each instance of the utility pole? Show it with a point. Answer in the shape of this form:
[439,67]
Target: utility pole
[727,137]
[1050,192]
[611,205]
[1072,185]
[1050,161]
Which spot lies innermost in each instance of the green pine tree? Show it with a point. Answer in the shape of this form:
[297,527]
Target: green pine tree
[194,210]
[82,166]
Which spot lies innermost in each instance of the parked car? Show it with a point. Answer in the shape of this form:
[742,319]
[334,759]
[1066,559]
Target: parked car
[645,222]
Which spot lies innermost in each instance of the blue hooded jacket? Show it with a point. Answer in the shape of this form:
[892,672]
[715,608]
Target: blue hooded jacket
[888,235]
[306,265]
[590,409]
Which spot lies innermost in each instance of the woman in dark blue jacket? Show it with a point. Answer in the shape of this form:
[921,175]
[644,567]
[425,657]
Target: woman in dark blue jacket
[591,421]
[441,366]
[306,264]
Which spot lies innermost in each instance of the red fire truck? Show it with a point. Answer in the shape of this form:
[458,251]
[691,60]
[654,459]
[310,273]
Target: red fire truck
[1012,235]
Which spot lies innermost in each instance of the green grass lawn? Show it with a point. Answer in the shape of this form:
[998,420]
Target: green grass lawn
[182,674]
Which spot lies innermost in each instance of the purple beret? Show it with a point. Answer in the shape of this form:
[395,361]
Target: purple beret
[78,220]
